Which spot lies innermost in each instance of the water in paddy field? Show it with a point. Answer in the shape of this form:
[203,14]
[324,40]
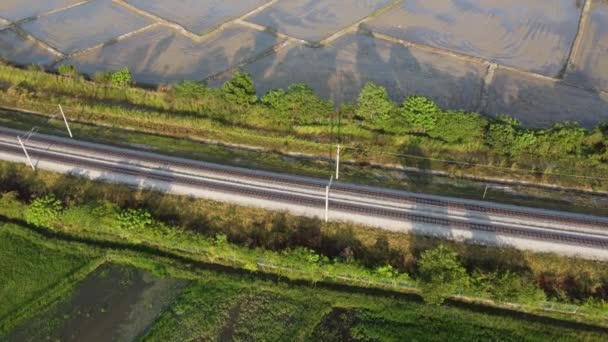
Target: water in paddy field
[547,69]
[115,303]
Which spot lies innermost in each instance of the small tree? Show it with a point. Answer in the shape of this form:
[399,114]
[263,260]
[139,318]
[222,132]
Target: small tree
[373,104]
[440,275]
[421,113]
[43,212]
[240,90]
[134,220]
[122,77]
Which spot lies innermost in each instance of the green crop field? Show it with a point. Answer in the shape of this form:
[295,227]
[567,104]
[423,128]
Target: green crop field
[28,271]
[243,307]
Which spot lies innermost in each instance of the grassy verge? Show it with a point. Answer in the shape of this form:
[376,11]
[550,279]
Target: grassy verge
[550,156]
[316,167]
[243,306]
[35,276]
[277,244]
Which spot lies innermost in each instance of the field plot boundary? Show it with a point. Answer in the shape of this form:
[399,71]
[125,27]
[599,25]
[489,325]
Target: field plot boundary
[578,40]
[52,295]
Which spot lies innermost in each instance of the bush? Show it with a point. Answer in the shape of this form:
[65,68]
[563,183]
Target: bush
[43,212]
[455,126]
[240,90]
[299,105]
[421,113]
[189,89]
[506,287]
[560,140]
[373,105]
[440,275]
[122,77]
[67,70]
[134,220]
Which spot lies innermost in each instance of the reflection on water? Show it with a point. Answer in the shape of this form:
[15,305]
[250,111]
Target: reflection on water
[530,35]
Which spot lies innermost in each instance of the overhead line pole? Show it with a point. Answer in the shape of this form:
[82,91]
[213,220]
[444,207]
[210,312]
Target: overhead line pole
[66,122]
[338,163]
[26,154]
[327,198]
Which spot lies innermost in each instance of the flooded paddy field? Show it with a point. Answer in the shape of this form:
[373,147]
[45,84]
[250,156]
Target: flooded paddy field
[115,303]
[195,15]
[540,102]
[530,35]
[16,10]
[161,54]
[85,26]
[444,50]
[314,20]
[13,47]
[589,66]
[342,68]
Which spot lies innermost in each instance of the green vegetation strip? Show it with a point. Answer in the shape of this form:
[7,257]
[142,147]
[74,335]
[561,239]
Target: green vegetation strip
[271,244]
[36,275]
[414,134]
[233,306]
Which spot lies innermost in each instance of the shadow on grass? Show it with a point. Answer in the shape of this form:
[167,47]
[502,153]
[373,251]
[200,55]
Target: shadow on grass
[151,251]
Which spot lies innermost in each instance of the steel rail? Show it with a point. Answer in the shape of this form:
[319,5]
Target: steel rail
[318,184]
[577,238]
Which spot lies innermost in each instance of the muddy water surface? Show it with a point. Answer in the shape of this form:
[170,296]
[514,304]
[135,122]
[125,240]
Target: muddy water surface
[113,304]
[16,10]
[541,103]
[162,55]
[314,20]
[22,51]
[590,64]
[85,26]
[196,15]
[531,35]
[340,69]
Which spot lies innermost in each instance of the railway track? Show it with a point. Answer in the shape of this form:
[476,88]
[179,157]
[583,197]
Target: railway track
[310,183]
[234,181]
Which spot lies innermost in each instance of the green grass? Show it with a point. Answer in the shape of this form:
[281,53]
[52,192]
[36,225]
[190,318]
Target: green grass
[264,241]
[210,117]
[243,307]
[234,309]
[314,167]
[28,270]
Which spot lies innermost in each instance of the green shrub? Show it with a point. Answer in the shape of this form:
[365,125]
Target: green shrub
[189,89]
[43,212]
[299,105]
[421,113]
[240,90]
[67,70]
[455,126]
[122,77]
[506,287]
[134,220]
[440,275]
[373,105]
[559,140]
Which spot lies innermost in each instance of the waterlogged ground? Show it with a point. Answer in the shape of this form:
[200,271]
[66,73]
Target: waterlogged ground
[542,61]
[115,303]
[124,303]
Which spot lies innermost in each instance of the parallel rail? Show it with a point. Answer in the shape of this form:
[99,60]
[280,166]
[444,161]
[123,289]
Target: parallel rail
[320,185]
[574,238]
